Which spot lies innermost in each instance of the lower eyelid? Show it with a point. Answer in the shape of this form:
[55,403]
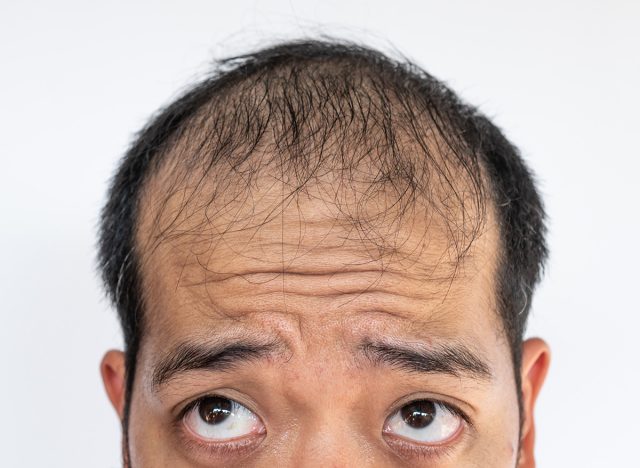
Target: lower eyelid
[233,447]
[412,449]
[408,450]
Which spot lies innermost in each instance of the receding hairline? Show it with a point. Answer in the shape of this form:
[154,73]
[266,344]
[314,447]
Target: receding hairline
[412,155]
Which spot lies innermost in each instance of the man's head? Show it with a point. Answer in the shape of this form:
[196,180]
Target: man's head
[320,255]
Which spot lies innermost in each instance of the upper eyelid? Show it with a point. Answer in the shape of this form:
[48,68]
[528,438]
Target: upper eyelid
[455,409]
[194,401]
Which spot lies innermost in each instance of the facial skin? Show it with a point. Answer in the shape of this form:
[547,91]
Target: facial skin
[327,334]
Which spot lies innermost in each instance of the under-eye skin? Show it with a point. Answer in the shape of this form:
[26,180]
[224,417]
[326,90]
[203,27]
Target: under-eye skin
[425,428]
[220,426]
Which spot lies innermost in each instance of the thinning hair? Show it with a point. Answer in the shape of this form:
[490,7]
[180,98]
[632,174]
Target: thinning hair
[308,108]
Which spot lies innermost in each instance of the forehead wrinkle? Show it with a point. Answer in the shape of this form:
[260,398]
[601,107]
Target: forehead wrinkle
[316,281]
[205,288]
[253,285]
[241,255]
[324,310]
[339,301]
[211,258]
[321,244]
[229,303]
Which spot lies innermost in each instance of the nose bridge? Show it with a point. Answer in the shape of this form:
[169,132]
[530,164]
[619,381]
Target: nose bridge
[331,433]
[331,442]
[327,395]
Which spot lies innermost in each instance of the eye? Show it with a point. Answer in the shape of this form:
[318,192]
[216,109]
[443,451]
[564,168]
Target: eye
[216,418]
[425,422]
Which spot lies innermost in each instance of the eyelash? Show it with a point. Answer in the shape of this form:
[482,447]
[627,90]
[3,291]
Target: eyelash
[452,408]
[191,405]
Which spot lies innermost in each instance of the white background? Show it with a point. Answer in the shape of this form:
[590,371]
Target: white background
[78,78]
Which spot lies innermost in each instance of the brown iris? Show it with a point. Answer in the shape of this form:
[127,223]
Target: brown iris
[214,410]
[419,414]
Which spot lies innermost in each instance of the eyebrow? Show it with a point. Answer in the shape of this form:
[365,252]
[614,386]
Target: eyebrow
[217,357]
[457,359]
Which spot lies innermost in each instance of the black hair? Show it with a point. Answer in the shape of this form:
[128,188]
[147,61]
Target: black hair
[313,103]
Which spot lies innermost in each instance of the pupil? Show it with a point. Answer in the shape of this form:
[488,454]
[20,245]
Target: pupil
[419,414]
[214,410]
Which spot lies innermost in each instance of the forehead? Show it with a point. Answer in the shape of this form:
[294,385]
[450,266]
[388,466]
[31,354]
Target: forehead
[232,253]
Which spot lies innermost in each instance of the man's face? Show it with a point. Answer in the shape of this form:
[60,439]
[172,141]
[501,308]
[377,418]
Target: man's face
[296,334]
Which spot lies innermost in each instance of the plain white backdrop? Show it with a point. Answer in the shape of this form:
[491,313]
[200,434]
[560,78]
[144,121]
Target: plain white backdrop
[77,78]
